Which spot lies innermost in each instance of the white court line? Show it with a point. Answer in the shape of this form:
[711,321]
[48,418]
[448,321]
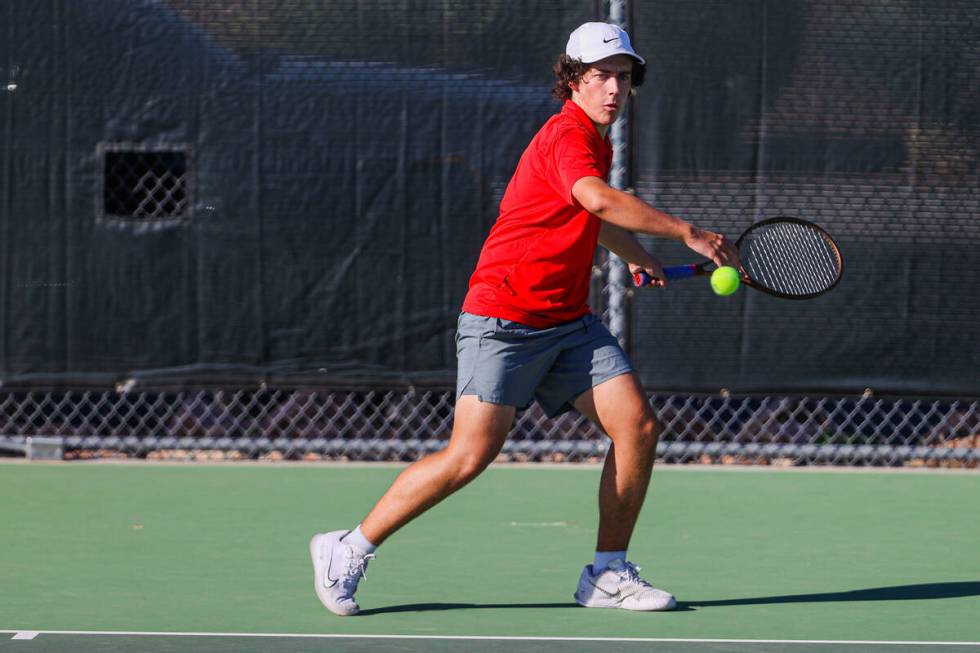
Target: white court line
[26,634]
[35,633]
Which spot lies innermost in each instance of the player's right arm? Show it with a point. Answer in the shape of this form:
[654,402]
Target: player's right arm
[631,213]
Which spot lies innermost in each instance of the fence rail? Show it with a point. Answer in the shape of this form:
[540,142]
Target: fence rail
[402,424]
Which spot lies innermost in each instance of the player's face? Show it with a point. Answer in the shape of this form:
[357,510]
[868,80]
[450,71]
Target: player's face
[603,89]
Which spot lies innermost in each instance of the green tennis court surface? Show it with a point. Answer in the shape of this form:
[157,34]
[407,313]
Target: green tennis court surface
[178,558]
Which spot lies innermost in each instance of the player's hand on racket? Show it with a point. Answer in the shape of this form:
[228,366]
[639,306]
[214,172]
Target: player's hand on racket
[714,247]
[653,271]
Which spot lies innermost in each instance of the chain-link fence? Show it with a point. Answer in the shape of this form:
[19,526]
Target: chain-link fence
[143,184]
[402,424]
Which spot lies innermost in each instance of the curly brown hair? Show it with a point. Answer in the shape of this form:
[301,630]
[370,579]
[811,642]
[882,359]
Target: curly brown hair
[568,70]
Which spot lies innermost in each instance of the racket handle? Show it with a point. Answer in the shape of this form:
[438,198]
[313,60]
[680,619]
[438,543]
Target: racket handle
[671,273]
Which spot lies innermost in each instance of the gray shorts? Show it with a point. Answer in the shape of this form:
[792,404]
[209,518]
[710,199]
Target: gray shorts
[509,363]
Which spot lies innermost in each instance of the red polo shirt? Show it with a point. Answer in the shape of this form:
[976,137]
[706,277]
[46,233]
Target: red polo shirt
[536,263]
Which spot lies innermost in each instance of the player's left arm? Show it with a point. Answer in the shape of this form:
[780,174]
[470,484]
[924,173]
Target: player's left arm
[624,244]
[633,214]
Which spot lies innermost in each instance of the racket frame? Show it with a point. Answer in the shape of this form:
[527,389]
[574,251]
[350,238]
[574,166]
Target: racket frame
[675,272]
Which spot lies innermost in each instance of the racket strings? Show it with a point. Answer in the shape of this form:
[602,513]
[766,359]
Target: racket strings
[791,269]
[791,259]
[798,262]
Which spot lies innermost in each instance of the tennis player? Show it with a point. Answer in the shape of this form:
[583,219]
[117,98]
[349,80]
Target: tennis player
[526,332]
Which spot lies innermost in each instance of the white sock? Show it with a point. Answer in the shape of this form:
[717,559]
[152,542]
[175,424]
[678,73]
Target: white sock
[357,540]
[603,558]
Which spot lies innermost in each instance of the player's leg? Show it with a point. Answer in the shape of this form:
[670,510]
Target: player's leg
[340,557]
[620,408]
[500,364]
[593,375]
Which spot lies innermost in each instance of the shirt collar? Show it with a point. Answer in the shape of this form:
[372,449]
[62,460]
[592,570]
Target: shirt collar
[576,112]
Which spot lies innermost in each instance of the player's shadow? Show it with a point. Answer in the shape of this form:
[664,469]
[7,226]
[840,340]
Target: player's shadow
[436,607]
[896,593]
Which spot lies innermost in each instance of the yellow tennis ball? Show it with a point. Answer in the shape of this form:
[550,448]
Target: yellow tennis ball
[724,280]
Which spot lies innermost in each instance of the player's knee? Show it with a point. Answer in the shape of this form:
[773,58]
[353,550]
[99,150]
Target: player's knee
[649,430]
[470,464]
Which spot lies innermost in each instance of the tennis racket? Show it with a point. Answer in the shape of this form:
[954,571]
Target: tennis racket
[783,257]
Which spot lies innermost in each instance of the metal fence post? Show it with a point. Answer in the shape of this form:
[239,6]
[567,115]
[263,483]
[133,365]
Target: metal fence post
[616,273]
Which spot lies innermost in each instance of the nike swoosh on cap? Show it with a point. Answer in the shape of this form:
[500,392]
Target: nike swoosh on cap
[610,40]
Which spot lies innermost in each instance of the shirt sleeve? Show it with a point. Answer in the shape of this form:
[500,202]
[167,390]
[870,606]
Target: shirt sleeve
[574,158]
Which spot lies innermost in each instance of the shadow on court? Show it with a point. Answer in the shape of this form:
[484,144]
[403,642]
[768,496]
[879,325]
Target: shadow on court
[436,607]
[896,593]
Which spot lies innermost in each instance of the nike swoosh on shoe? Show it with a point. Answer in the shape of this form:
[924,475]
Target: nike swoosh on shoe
[611,595]
[326,574]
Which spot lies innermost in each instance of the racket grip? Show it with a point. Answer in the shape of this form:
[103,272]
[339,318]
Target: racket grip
[671,273]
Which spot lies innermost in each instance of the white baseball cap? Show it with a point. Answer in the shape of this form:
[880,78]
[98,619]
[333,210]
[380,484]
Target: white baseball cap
[591,42]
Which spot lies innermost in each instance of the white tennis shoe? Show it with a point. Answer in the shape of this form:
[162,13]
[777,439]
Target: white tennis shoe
[337,569]
[619,586]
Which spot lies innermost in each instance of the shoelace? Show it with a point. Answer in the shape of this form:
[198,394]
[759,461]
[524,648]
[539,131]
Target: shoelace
[356,569]
[632,575]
